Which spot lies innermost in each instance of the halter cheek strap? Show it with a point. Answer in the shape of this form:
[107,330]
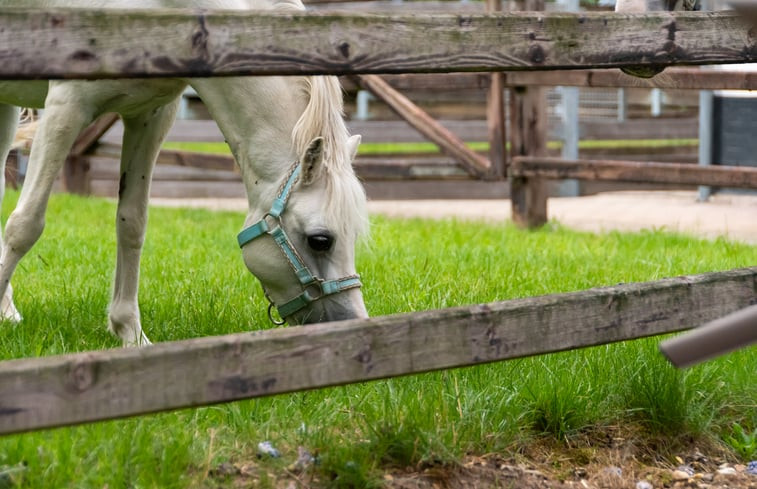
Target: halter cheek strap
[313,287]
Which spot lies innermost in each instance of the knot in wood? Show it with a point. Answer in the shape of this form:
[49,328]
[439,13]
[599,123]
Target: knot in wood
[344,49]
[364,356]
[200,38]
[536,54]
[82,376]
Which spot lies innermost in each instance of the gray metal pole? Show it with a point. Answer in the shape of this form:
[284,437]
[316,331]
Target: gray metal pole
[705,125]
[737,330]
[705,137]
[569,98]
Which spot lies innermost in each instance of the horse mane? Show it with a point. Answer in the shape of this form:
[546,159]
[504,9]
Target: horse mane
[324,117]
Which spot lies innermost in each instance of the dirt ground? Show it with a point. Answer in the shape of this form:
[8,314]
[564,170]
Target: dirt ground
[597,461]
[731,216]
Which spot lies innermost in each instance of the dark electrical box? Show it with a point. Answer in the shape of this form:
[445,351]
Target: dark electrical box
[734,131]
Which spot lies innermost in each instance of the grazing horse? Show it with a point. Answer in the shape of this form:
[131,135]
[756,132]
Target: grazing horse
[640,6]
[287,134]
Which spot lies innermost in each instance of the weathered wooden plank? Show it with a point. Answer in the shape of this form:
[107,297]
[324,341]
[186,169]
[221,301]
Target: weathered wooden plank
[392,189]
[379,6]
[528,128]
[635,171]
[178,189]
[675,78]
[53,391]
[651,128]
[94,44]
[528,115]
[447,141]
[445,82]
[104,168]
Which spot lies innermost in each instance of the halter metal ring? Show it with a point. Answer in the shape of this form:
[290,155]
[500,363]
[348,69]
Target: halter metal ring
[278,322]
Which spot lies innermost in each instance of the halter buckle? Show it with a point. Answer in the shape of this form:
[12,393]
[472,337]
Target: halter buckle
[313,291]
[271,222]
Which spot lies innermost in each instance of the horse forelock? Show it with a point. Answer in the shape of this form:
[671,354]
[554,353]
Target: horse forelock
[323,117]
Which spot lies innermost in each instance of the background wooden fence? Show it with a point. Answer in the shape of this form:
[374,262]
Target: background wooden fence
[53,391]
[458,173]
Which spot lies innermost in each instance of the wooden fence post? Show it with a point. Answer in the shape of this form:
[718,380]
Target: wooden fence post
[528,129]
[495,114]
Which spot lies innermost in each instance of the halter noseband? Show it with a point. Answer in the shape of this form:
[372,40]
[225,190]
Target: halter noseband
[313,287]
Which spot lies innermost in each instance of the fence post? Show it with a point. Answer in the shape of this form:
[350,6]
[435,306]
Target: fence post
[528,137]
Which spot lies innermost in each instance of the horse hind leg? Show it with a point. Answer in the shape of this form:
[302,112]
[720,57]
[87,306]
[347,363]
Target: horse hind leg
[63,120]
[8,125]
[143,136]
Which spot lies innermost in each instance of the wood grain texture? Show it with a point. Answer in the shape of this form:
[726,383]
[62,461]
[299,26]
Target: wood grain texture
[671,78]
[528,138]
[75,388]
[677,78]
[635,171]
[94,44]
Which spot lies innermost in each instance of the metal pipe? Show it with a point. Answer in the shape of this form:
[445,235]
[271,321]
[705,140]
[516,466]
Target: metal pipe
[737,330]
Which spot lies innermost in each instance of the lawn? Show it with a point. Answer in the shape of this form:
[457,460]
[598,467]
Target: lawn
[368,148]
[195,284]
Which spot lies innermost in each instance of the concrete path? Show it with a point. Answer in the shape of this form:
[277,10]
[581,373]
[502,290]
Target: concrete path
[731,216]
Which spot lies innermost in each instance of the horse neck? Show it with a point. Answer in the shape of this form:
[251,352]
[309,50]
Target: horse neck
[256,116]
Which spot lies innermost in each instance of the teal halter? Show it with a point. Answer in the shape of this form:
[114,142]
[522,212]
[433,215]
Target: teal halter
[313,287]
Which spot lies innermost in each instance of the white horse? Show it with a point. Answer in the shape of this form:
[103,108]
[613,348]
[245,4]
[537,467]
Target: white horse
[287,134]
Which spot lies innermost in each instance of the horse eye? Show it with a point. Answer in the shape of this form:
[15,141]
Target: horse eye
[320,242]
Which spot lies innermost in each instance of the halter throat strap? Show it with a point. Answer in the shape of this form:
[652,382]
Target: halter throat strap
[313,287]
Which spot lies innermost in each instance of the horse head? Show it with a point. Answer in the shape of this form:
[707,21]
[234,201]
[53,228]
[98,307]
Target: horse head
[640,6]
[300,240]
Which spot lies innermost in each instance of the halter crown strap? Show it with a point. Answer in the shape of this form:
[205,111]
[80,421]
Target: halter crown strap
[279,204]
[314,288]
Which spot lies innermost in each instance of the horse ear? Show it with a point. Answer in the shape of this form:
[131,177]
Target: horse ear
[311,161]
[352,145]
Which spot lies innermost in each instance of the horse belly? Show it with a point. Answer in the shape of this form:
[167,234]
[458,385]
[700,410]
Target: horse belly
[29,94]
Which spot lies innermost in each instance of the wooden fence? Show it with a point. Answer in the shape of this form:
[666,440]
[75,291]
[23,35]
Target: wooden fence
[68,389]
[75,388]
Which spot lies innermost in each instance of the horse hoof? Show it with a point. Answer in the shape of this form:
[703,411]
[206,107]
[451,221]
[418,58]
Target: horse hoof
[142,341]
[8,312]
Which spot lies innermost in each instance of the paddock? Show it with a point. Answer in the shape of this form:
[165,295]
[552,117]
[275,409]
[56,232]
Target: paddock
[69,389]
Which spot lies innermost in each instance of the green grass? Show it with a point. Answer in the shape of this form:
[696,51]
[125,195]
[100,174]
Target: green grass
[367,148]
[194,284]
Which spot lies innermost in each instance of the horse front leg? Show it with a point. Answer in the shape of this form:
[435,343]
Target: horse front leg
[64,118]
[8,124]
[143,136]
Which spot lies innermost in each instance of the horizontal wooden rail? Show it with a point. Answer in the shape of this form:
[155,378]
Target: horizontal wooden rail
[673,79]
[635,171]
[70,43]
[676,78]
[61,390]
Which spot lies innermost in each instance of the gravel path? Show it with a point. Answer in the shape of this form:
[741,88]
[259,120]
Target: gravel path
[731,216]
